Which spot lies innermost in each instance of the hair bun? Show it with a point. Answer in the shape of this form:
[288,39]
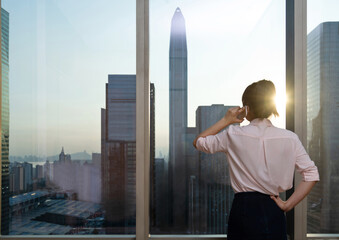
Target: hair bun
[260,97]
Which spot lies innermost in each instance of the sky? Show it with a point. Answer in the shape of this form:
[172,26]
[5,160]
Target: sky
[61,53]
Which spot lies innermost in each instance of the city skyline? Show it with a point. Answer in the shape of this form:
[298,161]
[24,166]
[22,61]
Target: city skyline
[45,130]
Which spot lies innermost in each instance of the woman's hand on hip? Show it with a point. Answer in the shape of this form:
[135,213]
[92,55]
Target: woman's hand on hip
[299,194]
[283,205]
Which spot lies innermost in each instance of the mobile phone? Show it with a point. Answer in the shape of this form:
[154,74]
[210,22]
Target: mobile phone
[243,113]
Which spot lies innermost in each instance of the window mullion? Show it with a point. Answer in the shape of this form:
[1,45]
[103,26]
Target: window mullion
[142,120]
[300,98]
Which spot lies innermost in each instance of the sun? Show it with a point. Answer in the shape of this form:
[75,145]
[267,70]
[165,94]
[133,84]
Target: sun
[280,101]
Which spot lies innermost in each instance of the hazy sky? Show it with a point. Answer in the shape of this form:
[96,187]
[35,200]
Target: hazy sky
[60,55]
[61,52]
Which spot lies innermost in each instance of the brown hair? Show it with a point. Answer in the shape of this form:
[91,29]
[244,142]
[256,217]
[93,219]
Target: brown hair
[259,97]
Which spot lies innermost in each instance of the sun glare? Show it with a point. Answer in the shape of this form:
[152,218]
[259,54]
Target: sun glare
[280,101]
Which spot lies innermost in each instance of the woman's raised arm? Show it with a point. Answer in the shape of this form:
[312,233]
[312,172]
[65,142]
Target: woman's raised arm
[229,118]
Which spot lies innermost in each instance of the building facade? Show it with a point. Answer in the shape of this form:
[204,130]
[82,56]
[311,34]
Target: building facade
[322,130]
[154,215]
[215,191]
[118,149]
[5,122]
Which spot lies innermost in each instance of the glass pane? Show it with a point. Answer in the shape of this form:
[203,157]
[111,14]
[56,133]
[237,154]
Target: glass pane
[203,54]
[68,117]
[323,113]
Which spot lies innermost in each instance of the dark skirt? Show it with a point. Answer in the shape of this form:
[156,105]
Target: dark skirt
[255,215]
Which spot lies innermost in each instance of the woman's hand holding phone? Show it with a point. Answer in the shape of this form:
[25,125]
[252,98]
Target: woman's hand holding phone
[243,114]
[235,115]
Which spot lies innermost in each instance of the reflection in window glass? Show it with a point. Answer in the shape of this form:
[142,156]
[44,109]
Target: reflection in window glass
[203,56]
[68,117]
[323,114]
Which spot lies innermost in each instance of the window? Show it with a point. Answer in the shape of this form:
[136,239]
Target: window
[202,57]
[56,52]
[68,117]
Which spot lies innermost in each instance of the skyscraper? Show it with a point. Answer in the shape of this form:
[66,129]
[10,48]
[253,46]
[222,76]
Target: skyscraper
[178,122]
[118,146]
[153,199]
[5,122]
[215,191]
[28,176]
[322,129]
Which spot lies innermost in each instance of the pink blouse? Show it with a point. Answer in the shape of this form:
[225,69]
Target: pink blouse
[261,157]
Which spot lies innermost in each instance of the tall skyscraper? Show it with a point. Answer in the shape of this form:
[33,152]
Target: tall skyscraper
[178,122]
[118,148]
[153,199]
[215,191]
[322,126]
[5,122]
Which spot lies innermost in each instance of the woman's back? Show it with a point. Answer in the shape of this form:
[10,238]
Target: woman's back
[261,157]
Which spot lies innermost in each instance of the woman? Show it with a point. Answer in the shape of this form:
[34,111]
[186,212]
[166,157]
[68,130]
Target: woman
[262,159]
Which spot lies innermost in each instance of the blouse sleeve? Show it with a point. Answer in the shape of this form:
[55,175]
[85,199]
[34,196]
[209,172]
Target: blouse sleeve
[213,143]
[304,165]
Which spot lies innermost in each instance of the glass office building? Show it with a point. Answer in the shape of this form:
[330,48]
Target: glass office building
[118,154]
[215,191]
[322,129]
[5,122]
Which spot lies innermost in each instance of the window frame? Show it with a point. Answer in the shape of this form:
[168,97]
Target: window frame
[296,36]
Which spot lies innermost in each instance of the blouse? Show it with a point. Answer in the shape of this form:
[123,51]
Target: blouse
[261,157]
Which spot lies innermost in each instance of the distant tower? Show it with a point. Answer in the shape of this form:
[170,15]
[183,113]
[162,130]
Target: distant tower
[5,122]
[178,122]
[64,157]
[322,126]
